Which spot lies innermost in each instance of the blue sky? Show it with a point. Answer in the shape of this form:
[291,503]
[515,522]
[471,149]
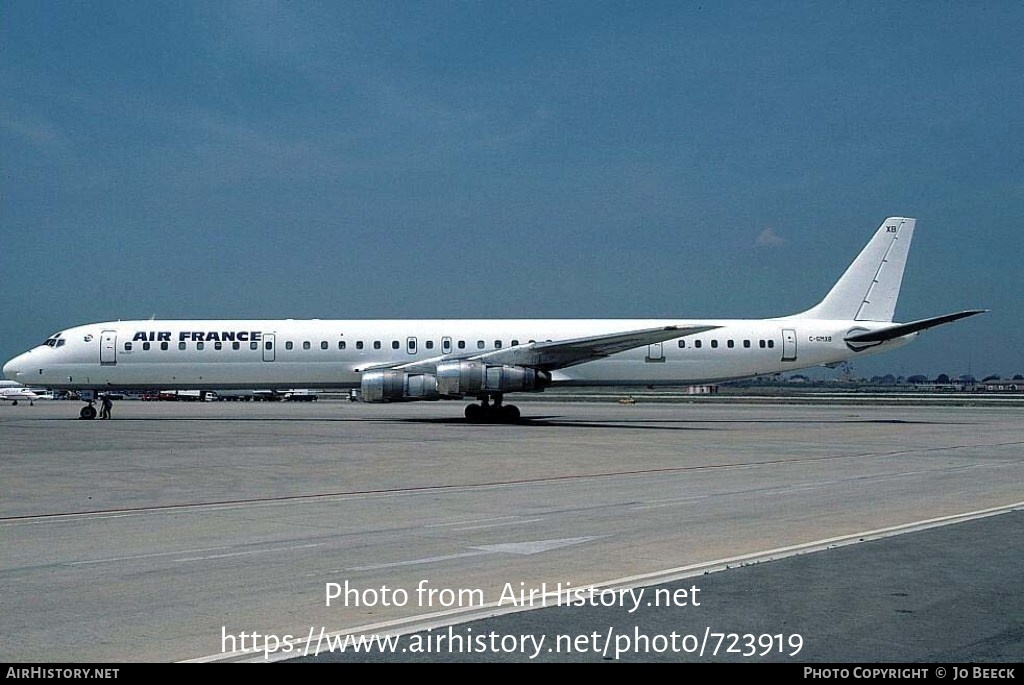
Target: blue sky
[509,159]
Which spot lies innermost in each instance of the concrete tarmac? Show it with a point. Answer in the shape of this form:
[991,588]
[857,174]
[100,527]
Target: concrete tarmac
[168,532]
[947,595]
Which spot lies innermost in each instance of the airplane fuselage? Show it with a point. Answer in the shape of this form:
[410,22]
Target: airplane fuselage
[196,354]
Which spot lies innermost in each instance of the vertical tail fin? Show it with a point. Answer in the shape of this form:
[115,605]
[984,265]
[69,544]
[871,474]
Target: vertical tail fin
[871,285]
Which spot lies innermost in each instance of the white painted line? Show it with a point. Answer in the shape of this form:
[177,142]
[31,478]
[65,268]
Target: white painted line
[417,562]
[145,556]
[251,552]
[499,525]
[459,523]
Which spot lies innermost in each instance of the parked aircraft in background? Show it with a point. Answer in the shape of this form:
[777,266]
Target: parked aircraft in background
[15,393]
[408,360]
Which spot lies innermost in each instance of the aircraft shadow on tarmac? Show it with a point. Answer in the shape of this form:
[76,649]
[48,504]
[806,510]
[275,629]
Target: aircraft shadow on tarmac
[544,421]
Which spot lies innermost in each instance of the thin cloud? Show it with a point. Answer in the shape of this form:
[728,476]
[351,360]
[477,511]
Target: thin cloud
[769,238]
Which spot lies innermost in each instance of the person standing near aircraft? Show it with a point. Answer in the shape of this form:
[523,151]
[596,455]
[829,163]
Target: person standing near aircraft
[105,407]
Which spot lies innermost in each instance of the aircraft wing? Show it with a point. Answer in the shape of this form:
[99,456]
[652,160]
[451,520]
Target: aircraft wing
[557,354]
[899,330]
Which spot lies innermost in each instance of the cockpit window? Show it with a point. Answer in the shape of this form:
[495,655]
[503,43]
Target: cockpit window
[60,342]
[54,340]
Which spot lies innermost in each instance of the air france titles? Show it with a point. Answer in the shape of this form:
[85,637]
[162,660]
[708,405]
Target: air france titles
[199,336]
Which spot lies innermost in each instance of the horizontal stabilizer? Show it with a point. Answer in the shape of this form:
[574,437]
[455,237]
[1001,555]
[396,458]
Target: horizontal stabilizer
[899,330]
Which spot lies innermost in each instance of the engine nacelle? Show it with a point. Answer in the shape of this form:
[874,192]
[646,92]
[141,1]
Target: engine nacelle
[460,378]
[398,386]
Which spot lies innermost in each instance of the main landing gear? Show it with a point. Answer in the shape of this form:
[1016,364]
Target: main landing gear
[491,410]
[88,412]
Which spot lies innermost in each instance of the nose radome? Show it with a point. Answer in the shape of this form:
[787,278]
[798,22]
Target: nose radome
[13,368]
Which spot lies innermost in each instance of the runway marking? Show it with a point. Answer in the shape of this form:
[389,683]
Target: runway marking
[521,548]
[798,487]
[459,523]
[538,546]
[146,556]
[498,525]
[662,503]
[414,562]
[156,555]
[252,552]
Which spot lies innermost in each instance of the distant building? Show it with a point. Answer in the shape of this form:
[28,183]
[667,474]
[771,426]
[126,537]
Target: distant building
[1001,385]
[701,389]
[947,385]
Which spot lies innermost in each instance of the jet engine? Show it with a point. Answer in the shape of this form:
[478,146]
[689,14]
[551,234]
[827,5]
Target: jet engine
[453,379]
[397,386]
[460,378]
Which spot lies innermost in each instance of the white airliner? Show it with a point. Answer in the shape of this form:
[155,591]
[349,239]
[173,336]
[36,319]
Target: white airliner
[406,360]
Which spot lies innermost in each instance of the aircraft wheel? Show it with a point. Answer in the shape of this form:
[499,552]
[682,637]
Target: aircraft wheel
[88,412]
[510,413]
[14,403]
[474,412]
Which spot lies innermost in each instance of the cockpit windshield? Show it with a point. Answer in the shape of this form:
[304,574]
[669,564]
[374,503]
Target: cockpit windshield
[55,340]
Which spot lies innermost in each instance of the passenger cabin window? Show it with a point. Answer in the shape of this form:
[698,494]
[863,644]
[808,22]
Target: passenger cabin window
[514,343]
[394,345]
[306,345]
[697,343]
[181,345]
[254,345]
[236,345]
[127,347]
[200,346]
[771,343]
[145,345]
[430,344]
[341,344]
[268,345]
[323,345]
[163,346]
[479,344]
[376,344]
[289,345]
[359,344]
[410,345]
[218,345]
[682,344]
[497,344]
[714,343]
[462,344]
[760,343]
[731,344]
[746,343]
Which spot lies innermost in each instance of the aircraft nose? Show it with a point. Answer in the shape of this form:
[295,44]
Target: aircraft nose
[15,368]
